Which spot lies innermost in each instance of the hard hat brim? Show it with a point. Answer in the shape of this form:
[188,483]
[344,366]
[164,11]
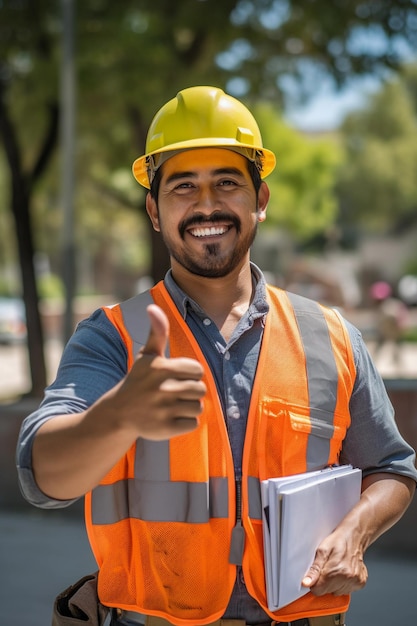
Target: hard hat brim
[140,171]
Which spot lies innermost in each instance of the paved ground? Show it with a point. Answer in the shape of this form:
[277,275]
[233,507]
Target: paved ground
[41,553]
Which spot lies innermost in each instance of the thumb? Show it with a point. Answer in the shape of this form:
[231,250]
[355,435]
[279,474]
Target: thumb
[314,572]
[159,332]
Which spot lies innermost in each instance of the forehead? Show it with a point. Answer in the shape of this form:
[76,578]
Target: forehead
[204,159]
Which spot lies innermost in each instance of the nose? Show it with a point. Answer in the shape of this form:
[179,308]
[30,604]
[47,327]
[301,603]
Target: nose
[206,200]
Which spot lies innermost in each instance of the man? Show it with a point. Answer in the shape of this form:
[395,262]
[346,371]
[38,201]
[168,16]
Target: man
[234,382]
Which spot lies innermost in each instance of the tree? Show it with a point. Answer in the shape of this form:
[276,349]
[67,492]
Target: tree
[303,199]
[133,54]
[377,184]
[27,168]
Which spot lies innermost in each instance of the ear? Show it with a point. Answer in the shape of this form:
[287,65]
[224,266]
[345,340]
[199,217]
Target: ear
[152,211]
[263,199]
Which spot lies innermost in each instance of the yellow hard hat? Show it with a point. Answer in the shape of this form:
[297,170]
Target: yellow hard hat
[201,117]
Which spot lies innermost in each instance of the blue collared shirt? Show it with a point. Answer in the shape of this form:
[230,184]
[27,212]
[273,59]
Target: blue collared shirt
[232,363]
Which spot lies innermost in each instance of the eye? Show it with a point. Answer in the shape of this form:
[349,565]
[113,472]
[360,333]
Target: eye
[227,183]
[183,187]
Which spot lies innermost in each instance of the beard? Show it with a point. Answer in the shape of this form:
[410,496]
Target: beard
[213,262]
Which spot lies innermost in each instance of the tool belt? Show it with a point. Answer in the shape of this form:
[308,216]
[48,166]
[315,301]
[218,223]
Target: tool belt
[324,620]
[79,603]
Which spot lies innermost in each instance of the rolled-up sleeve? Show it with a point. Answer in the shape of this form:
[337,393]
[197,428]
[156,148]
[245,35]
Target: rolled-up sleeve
[94,360]
[373,442]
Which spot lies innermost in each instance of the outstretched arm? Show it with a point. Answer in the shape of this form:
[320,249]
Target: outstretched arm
[158,399]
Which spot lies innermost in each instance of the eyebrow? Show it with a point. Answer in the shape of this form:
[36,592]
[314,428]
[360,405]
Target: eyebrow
[221,171]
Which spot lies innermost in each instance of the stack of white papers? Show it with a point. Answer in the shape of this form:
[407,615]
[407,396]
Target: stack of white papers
[298,513]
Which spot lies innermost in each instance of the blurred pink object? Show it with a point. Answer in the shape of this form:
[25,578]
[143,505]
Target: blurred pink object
[380,290]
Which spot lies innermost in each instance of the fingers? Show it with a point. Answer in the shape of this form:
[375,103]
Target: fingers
[335,572]
[176,387]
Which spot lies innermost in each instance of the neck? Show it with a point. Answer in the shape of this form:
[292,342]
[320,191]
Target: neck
[224,299]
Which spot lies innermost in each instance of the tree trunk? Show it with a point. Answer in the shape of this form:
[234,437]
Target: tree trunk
[159,255]
[20,205]
[20,208]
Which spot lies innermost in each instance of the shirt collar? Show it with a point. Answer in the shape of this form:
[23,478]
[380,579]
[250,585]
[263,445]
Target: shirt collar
[258,307]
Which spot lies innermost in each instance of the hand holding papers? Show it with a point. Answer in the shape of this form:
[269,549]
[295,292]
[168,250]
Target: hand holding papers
[298,513]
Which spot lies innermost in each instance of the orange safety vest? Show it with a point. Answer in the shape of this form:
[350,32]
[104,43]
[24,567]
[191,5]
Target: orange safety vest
[161,522]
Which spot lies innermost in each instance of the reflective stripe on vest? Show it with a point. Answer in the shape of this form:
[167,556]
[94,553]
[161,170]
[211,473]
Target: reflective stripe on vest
[319,356]
[161,499]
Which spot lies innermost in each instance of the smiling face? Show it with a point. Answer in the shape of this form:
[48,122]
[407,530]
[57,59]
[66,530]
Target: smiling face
[207,210]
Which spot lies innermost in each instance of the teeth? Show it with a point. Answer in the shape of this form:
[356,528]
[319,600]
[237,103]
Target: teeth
[206,232]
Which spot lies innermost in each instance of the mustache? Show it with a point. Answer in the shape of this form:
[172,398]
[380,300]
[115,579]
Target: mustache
[199,220]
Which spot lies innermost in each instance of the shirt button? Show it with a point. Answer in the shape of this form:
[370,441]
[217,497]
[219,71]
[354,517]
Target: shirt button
[227,355]
[206,321]
[233,413]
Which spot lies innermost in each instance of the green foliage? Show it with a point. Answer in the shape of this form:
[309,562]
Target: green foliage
[6,289]
[378,184]
[409,335]
[134,54]
[411,267]
[50,286]
[302,186]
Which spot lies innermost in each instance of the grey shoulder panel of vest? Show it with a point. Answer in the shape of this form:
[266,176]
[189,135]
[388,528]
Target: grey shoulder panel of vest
[136,318]
[302,305]
[307,306]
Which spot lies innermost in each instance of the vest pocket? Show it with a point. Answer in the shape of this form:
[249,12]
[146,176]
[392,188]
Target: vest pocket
[319,424]
[303,438]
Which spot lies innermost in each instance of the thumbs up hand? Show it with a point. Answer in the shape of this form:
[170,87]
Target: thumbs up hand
[160,397]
